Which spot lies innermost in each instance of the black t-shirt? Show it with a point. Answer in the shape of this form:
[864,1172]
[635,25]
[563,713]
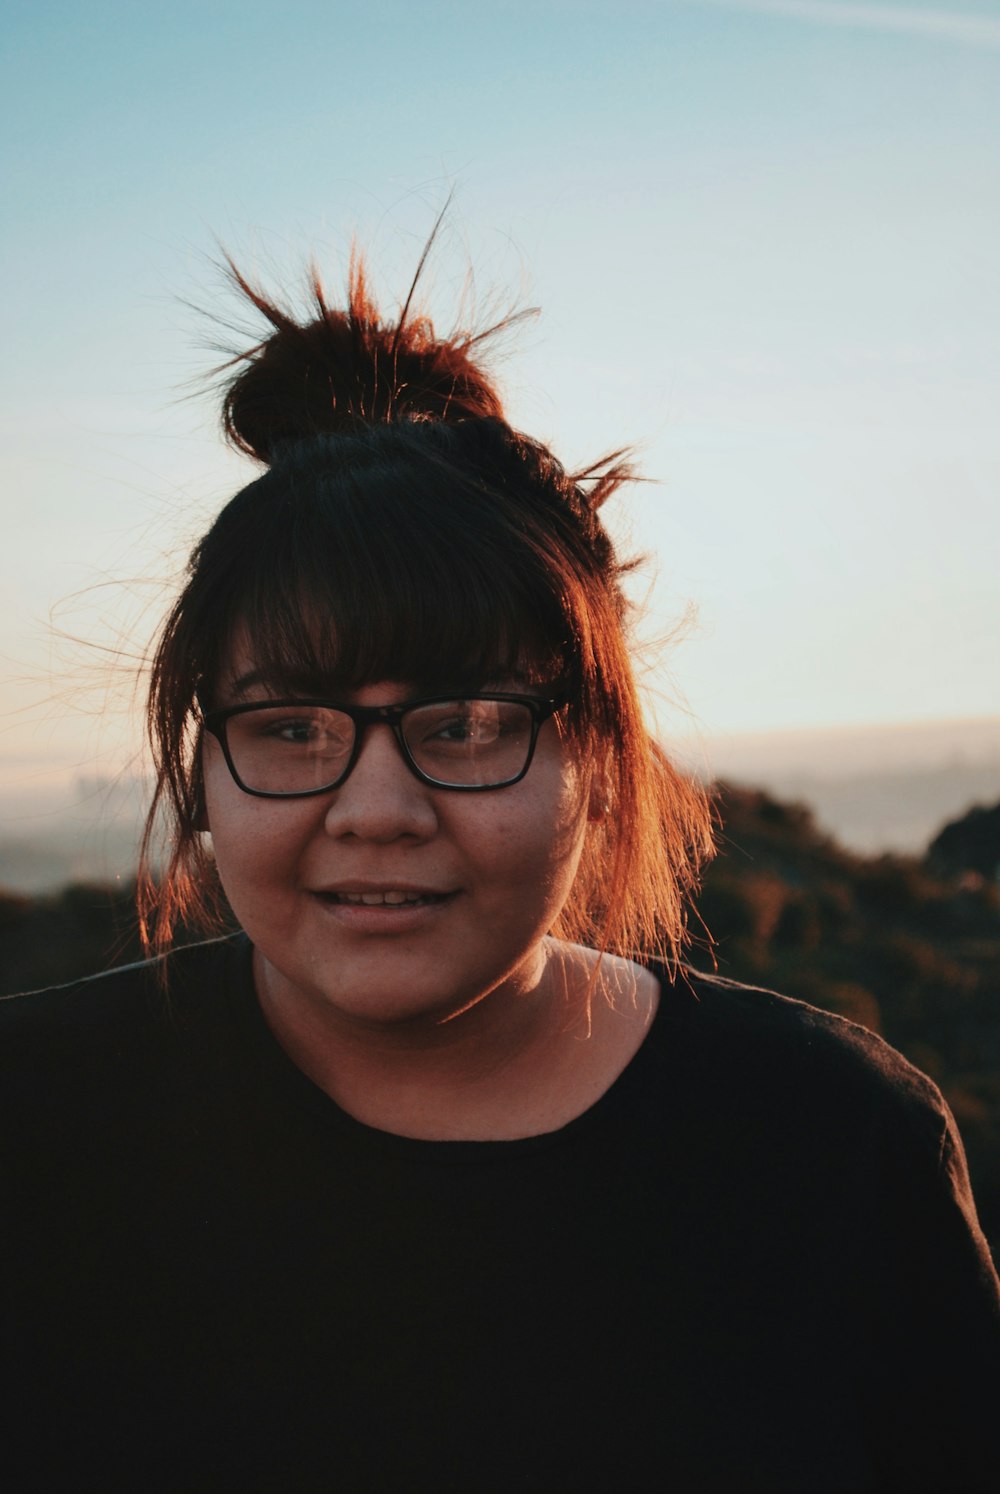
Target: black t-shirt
[752,1265]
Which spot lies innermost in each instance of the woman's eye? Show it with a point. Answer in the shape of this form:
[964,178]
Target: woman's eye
[475,725]
[302,729]
[461,729]
[296,731]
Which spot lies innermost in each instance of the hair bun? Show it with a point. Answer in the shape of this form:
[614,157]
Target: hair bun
[330,373]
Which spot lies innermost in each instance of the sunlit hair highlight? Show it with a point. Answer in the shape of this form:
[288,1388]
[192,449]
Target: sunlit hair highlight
[403,531]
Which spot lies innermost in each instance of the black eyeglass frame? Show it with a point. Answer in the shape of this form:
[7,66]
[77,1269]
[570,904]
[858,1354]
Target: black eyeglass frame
[540,707]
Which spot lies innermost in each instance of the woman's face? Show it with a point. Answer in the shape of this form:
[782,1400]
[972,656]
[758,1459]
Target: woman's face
[490,870]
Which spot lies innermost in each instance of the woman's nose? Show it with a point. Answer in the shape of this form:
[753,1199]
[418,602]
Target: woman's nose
[381,799]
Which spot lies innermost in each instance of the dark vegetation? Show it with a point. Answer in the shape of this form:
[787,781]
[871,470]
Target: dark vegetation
[907,948]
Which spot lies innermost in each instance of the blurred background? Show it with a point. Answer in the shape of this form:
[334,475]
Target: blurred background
[763,235]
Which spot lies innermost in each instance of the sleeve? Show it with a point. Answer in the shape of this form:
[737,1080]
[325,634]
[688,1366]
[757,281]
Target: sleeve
[931,1312]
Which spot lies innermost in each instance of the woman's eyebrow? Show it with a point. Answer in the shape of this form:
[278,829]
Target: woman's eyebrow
[274,684]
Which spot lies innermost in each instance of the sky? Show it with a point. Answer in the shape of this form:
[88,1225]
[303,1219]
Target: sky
[764,239]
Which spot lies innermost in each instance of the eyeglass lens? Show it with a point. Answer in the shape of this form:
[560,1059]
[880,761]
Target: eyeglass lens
[296,749]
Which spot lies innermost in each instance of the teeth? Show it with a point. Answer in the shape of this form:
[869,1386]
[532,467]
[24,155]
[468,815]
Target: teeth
[391,898]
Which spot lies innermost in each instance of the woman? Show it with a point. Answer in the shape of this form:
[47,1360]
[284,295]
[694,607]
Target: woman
[445,1173]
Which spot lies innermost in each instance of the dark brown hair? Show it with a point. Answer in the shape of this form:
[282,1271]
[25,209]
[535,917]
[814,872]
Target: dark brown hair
[403,530]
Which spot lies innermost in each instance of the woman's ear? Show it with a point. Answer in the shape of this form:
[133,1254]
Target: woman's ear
[599,803]
[199,815]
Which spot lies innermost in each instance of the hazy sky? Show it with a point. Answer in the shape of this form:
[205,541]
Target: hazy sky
[764,236]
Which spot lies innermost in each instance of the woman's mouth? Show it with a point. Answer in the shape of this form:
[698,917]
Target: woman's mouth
[389,898]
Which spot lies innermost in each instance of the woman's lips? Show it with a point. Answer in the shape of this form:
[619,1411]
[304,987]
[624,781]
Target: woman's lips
[391,897]
[382,910]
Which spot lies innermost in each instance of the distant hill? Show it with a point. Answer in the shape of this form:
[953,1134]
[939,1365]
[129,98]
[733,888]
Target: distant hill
[895,810]
[876,788]
[86,830]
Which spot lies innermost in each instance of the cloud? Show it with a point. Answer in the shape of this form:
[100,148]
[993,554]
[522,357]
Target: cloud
[909,20]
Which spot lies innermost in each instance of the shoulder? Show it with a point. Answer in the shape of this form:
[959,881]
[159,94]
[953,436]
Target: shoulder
[125,988]
[823,1114]
[775,1054]
[71,1036]
[780,1030]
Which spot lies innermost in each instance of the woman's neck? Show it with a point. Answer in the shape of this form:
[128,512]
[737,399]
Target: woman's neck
[504,1067]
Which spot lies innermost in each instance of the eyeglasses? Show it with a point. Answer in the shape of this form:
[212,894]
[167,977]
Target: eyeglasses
[288,749]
